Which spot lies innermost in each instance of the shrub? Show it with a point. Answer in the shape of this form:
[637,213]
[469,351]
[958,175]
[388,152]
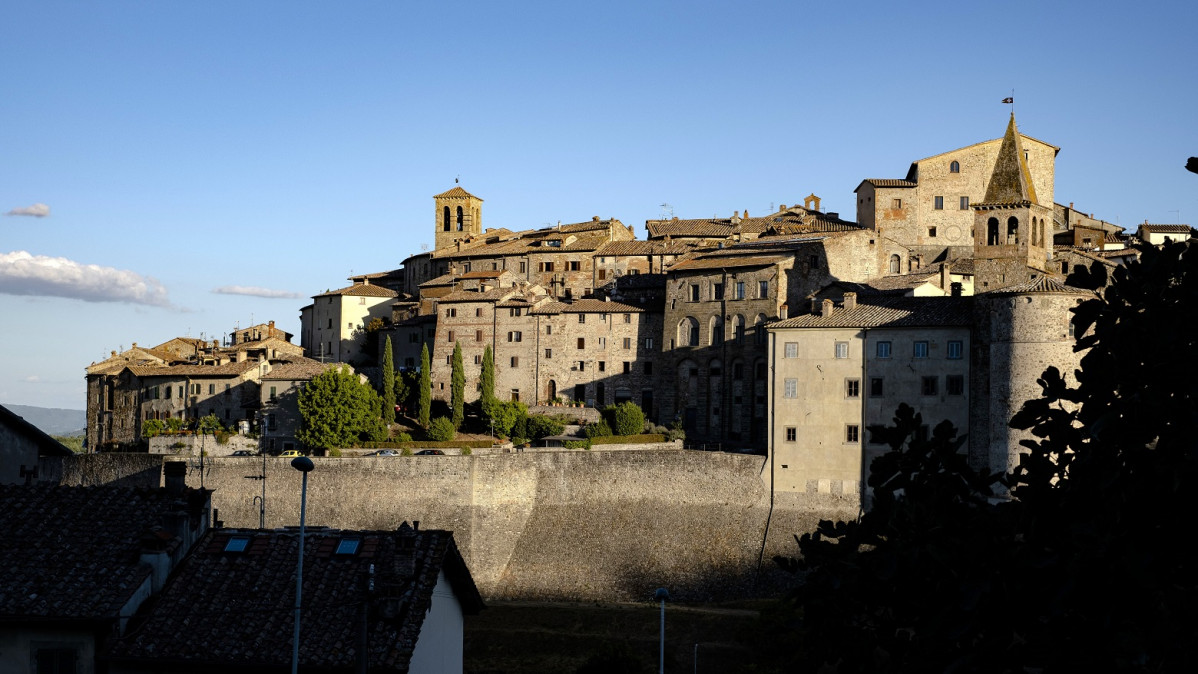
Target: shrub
[403,436]
[151,428]
[577,444]
[676,432]
[540,426]
[336,451]
[174,424]
[209,424]
[441,429]
[625,418]
[466,451]
[406,451]
[597,430]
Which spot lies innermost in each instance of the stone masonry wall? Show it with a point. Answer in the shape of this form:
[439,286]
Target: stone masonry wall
[561,525]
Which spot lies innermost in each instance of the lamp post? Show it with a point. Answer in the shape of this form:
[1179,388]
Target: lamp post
[304,465]
[662,595]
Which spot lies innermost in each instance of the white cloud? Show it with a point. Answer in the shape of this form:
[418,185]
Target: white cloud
[255,291]
[36,210]
[24,274]
[33,379]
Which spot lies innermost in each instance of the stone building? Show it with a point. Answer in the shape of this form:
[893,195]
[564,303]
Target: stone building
[333,327]
[278,402]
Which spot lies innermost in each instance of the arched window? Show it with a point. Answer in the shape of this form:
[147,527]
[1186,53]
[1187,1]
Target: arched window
[550,391]
[896,264]
[738,329]
[460,218]
[759,334]
[1012,230]
[717,330]
[688,332]
[445,212]
[992,232]
[954,167]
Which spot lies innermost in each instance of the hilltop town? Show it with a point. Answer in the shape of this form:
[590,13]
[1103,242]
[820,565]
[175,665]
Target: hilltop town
[788,333]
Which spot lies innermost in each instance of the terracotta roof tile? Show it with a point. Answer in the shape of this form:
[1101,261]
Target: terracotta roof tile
[1044,285]
[905,312]
[226,370]
[457,191]
[587,306]
[297,370]
[887,182]
[361,290]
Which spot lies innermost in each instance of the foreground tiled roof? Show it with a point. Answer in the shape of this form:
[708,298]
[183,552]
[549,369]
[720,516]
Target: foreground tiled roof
[1165,229]
[442,280]
[235,609]
[1043,285]
[637,247]
[728,262]
[896,312]
[297,370]
[72,553]
[226,370]
[361,290]
[888,182]
[587,306]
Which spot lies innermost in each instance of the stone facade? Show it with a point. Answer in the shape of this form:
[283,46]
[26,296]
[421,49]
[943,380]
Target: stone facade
[332,328]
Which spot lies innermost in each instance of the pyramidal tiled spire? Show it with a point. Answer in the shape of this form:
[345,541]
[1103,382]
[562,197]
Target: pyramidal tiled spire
[1011,182]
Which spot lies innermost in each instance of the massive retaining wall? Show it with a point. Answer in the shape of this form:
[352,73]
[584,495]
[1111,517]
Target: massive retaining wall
[560,525]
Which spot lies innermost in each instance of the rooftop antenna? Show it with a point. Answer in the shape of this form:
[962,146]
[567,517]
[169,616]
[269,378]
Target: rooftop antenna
[424,246]
[1177,220]
[667,211]
[456,179]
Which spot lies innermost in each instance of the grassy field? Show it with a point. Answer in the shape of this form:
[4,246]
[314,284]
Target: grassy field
[514,637]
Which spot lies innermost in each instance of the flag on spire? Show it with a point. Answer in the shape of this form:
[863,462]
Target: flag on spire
[1009,99]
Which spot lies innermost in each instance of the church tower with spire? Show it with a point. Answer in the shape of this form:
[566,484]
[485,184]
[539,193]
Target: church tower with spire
[1012,228]
[458,216]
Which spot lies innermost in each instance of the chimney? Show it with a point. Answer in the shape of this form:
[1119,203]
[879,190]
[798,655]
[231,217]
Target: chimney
[850,301]
[833,214]
[594,218]
[135,343]
[271,324]
[113,354]
[945,276]
[176,477]
[781,207]
[956,289]
[826,308]
[814,305]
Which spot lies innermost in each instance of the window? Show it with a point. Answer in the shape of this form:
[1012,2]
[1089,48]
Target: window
[274,392]
[573,265]
[896,264]
[515,395]
[272,423]
[627,342]
[790,388]
[648,342]
[582,318]
[212,389]
[582,365]
[523,268]
[478,335]
[515,361]
[883,350]
[627,367]
[627,318]
[965,203]
[852,433]
[954,349]
[929,386]
[938,203]
[450,336]
[514,312]
[347,546]
[582,342]
[813,261]
[931,232]
[896,204]
[330,324]
[717,291]
[603,366]
[954,384]
[852,388]
[235,544]
[549,353]
[763,289]
[740,290]
[954,167]
[790,434]
[549,329]
[450,313]
[515,336]
[791,350]
[602,342]
[478,312]
[478,359]
[921,349]
[842,349]
[648,367]
[168,390]
[875,387]
[694,295]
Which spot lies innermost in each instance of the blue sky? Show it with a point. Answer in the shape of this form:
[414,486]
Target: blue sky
[185,148]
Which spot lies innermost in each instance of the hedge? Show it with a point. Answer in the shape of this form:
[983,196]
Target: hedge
[641,439]
[421,444]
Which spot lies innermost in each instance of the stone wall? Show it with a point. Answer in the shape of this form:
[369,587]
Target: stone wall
[562,525]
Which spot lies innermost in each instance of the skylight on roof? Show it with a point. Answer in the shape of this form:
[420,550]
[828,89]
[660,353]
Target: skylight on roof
[237,544]
[348,546]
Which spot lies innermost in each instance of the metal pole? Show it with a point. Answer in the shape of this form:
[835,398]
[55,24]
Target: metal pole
[661,648]
[304,465]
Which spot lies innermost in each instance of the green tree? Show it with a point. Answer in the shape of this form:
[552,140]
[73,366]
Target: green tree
[441,429]
[458,387]
[507,416]
[152,427]
[209,424]
[388,384]
[407,386]
[486,383]
[425,400]
[338,410]
[540,426]
[625,418]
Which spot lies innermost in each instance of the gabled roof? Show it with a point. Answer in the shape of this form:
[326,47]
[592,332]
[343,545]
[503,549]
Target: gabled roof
[46,445]
[887,182]
[457,191]
[301,369]
[1043,285]
[361,290]
[492,295]
[1165,229]
[1011,181]
[891,312]
[587,306]
[72,553]
[227,370]
[234,609]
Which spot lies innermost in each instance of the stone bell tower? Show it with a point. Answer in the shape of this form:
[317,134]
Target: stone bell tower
[458,215]
[1012,229]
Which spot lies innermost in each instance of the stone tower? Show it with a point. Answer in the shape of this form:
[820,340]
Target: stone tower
[1012,229]
[458,215]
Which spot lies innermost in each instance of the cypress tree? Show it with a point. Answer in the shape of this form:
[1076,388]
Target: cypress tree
[426,390]
[486,382]
[388,384]
[458,386]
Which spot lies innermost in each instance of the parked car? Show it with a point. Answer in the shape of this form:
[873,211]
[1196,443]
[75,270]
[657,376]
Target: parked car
[291,453]
[385,452]
[430,452]
[242,452]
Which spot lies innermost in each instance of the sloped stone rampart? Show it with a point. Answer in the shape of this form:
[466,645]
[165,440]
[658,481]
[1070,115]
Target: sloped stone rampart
[548,525]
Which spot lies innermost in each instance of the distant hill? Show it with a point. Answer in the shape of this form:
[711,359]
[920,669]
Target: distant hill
[52,421]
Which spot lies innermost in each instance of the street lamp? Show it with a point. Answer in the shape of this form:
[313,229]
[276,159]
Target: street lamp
[662,595]
[304,465]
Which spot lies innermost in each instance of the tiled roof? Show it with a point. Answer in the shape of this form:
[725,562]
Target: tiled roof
[887,182]
[300,369]
[72,553]
[226,370]
[1165,229]
[484,273]
[492,295]
[361,290]
[587,306]
[442,280]
[1044,285]
[896,312]
[457,191]
[619,248]
[728,262]
[706,228]
[226,609]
